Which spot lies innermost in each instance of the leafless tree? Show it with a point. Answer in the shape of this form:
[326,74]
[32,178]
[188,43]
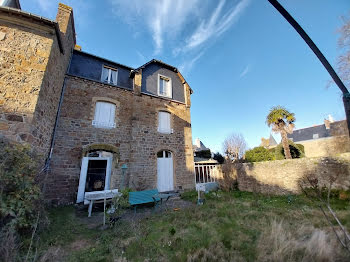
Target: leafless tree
[344,58]
[235,146]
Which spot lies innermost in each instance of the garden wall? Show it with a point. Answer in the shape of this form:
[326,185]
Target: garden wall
[283,176]
[327,146]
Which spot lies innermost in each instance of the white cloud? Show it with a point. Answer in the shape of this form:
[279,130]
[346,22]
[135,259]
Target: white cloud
[45,5]
[163,18]
[187,66]
[181,26]
[218,23]
[245,71]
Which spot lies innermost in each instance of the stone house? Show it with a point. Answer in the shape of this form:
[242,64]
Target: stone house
[330,138]
[88,116]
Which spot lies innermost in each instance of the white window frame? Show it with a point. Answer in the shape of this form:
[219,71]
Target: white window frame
[170,84]
[99,124]
[110,69]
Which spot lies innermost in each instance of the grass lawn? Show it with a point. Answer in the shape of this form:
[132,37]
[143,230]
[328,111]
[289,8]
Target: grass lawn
[233,226]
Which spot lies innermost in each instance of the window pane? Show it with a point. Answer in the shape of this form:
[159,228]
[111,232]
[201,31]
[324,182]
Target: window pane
[160,154]
[114,76]
[167,154]
[161,86]
[104,75]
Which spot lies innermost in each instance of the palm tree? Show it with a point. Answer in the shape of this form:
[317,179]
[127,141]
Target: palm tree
[282,122]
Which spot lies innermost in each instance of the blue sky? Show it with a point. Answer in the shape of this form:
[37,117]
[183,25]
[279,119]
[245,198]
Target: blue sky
[239,56]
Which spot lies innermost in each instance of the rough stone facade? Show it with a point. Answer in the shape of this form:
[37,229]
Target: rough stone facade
[135,138]
[282,177]
[32,69]
[35,55]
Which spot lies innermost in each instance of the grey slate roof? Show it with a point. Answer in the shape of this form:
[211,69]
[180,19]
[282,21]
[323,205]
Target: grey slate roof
[336,128]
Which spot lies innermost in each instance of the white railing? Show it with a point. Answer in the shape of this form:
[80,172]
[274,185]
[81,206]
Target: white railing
[205,173]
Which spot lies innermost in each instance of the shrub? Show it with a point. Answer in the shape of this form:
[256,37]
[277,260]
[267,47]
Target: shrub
[296,150]
[258,154]
[218,157]
[19,193]
[204,154]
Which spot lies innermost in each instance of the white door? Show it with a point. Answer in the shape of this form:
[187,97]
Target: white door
[165,178]
[83,173]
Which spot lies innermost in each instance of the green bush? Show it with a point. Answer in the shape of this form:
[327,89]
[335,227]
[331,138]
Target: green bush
[296,150]
[258,154]
[19,193]
[204,154]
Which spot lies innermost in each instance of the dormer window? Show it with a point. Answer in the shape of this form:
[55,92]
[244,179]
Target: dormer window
[164,86]
[109,75]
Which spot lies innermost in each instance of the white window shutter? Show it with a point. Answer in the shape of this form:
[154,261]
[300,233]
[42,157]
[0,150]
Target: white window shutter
[160,121]
[111,114]
[164,122]
[97,111]
[104,114]
[167,122]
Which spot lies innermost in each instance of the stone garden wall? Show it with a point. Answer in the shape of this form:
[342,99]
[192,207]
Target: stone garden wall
[283,176]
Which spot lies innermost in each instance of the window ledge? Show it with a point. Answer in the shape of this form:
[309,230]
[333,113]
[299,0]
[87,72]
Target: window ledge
[103,124]
[166,132]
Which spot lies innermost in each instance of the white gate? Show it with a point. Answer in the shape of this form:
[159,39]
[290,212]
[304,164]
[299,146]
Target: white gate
[205,173]
[165,177]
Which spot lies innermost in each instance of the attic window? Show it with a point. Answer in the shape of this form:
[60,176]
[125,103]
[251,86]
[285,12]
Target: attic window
[109,75]
[164,86]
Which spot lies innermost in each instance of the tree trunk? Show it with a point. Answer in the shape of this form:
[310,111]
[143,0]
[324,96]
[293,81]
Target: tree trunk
[285,145]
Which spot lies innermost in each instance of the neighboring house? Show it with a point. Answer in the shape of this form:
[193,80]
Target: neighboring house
[202,154]
[268,142]
[323,140]
[89,116]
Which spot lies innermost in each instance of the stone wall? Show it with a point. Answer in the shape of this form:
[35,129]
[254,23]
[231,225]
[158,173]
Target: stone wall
[31,77]
[283,176]
[135,136]
[328,146]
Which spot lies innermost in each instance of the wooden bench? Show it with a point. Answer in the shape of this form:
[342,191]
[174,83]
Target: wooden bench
[143,197]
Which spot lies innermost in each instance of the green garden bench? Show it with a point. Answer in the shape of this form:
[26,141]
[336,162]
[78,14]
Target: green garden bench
[143,197]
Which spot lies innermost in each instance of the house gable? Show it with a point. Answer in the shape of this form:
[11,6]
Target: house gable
[150,74]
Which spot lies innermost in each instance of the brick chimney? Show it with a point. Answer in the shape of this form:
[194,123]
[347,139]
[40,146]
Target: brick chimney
[327,123]
[65,21]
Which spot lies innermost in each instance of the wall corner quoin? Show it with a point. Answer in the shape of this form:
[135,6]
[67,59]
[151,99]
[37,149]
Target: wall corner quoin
[137,82]
[188,93]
